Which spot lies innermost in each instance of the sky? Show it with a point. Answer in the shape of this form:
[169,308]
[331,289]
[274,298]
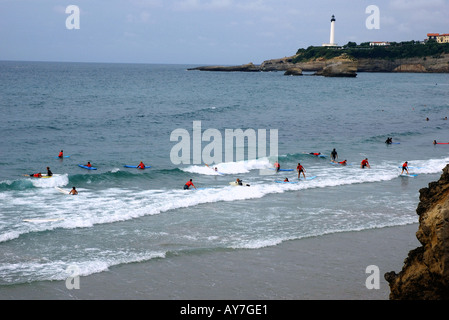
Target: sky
[204,32]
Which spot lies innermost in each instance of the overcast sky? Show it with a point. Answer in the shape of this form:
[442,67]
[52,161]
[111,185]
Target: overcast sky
[225,32]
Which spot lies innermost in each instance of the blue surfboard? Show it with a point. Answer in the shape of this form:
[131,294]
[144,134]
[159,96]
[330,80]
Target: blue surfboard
[127,166]
[86,167]
[409,175]
[282,169]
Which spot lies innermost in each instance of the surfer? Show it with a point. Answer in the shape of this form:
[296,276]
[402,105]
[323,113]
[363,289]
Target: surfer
[88,164]
[61,154]
[364,164]
[35,175]
[334,154]
[73,191]
[188,184]
[343,163]
[277,166]
[286,180]
[239,182]
[141,165]
[405,167]
[300,169]
[434,142]
[389,140]
[49,173]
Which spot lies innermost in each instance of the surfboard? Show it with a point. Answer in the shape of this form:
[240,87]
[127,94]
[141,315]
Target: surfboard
[233,183]
[62,190]
[62,157]
[409,175]
[128,166]
[319,156]
[442,143]
[43,176]
[287,181]
[309,178]
[86,167]
[282,169]
[42,220]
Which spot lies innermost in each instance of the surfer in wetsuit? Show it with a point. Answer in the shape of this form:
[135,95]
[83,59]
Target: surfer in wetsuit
[364,164]
[49,173]
[73,191]
[343,163]
[61,154]
[389,140]
[334,154]
[141,165]
[300,169]
[286,180]
[188,184]
[88,164]
[405,167]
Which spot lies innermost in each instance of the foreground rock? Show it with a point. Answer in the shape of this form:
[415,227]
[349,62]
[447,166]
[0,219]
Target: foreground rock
[339,67]
[294,71]
[425,274]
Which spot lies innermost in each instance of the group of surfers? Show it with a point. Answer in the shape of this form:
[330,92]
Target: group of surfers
[299,168]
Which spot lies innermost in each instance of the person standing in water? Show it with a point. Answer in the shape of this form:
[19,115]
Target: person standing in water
[334,155]
[300,169]
[405,167]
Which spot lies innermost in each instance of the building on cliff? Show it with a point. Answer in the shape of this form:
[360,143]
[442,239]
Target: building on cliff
[379,43]
[440,38]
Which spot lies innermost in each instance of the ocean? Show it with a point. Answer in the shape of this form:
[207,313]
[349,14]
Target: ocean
[120,114]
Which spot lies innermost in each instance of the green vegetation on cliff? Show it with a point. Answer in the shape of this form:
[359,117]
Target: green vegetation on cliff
[396,50]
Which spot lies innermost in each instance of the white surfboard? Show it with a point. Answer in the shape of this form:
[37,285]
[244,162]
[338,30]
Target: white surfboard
[62,190]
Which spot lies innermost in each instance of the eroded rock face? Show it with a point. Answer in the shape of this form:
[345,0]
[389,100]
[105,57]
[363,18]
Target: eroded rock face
[293,72]
[425,274]
[339,67]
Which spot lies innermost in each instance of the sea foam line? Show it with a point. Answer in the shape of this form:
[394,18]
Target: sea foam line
[116,205]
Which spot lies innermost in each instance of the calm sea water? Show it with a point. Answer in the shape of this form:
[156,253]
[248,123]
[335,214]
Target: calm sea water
[120,114]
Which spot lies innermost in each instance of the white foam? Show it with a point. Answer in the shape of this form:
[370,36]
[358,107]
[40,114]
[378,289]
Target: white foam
[55,181]
[237,167]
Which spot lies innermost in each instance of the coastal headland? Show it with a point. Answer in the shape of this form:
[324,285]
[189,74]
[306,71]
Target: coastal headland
[348,60]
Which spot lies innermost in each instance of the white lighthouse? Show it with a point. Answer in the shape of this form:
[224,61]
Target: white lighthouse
[332,36]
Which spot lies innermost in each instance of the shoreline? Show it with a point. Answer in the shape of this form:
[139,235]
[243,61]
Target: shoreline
[329,267]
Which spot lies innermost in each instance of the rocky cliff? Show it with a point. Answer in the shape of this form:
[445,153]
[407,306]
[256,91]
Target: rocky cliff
[428,64]
[351,66]
[425,274]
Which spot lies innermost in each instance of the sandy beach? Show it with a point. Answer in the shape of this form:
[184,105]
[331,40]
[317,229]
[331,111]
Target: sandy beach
[330,267]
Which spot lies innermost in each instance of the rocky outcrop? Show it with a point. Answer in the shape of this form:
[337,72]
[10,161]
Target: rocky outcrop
[293,71]
[339,67]
[249,67]
[427,64]
[425,274]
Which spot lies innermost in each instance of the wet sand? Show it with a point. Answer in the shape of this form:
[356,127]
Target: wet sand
[330,267]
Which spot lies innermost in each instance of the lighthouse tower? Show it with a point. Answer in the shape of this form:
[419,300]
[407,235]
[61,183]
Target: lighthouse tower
[332,37]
